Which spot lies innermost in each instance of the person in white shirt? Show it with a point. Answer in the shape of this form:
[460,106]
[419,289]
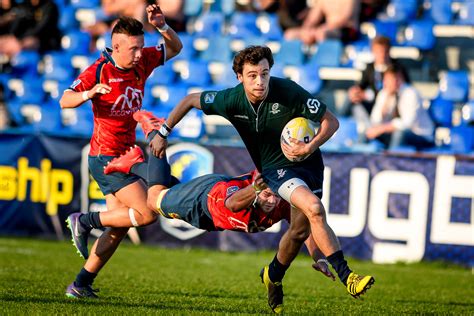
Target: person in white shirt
[398,117]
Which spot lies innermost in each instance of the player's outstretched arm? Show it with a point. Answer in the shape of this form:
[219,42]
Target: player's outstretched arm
[157,19]
[158,144]
[73,99]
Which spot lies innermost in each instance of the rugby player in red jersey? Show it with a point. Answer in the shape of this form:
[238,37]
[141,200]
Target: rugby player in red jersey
[115,85]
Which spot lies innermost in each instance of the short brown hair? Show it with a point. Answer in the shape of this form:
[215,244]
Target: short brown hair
[128,26]
[382,40]
[252,55]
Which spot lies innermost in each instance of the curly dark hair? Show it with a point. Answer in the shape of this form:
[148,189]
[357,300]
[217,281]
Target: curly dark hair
[128,26]
[252,55]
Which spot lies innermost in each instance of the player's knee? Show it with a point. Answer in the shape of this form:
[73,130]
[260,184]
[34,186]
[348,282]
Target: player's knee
[316,211]
[117,234]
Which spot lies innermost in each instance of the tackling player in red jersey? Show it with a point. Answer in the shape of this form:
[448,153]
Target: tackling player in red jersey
[115,84]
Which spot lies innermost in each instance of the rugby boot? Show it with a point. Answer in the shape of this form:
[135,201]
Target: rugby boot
[125,162]
[79,233]
[274,291]
[77,292]
[358,284]
[148,121]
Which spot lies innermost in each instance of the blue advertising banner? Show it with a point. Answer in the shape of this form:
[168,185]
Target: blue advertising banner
[383,208]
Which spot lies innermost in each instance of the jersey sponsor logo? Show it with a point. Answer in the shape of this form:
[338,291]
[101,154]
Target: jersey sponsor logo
[115,80]
[281,173]
[242,116]
[127,103]
[76,83]
[275,108]
[313,105]
[231,190]
[209,97]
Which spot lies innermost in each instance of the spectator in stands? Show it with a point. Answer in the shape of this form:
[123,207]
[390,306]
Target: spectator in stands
[370,8]
[35,27]
[398,117]
[328,19]
[362,95]
[291,13]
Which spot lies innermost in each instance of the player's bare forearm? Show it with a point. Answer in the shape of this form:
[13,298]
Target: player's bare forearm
[172,42]
[329,125]
[241,199]
[71,99]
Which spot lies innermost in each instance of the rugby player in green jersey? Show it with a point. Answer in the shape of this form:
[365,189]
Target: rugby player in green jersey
[259,107]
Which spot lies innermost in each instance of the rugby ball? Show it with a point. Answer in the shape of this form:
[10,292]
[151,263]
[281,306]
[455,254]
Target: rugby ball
[298,128]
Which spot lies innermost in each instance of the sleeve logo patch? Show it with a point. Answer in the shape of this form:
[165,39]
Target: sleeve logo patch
[232,189]
[313,105]
[209,97]
[76,83]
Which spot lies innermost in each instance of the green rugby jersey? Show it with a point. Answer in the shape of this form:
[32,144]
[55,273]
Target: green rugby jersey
[260,128]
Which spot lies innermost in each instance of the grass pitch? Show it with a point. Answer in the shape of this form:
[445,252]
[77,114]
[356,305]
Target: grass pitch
[150,280]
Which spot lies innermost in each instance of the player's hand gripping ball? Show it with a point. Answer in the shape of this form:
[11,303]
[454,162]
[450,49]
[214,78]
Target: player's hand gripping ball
[300,129]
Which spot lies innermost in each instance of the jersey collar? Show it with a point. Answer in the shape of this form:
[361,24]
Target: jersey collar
[107,53]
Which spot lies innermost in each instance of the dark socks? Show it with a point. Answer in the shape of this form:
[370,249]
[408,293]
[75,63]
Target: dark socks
[276,270]
[159,171]
[340,265]
[91,220]
[84,278]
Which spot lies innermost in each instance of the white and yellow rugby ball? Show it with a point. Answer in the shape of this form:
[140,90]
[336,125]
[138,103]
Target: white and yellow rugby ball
[298,128]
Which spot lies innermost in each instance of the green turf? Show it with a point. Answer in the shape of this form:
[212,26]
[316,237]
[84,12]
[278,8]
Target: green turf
[151,280]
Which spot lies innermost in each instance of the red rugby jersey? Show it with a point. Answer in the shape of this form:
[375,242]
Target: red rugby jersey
[114,126]
[249,220]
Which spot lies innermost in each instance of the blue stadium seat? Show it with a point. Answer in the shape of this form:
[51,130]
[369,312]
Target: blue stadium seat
[169,96]
[226,79]
[78,121]
[195,73]
[151,39]
[466,14]
[50,120]
[67,20]
[441,12]
[76,42]
[25,64]
[29,90]
[402,11]
[57,66]
[468,113]
[225,6]
[307,76]
[462,139]
[385,28]
[210,23]
[328,54]
[192,7]
[243,24]
[191,127]
[269,26]
[419,34]
[163,75]
[454,86]
[290,53]
[188,52]
[85,4]
[441,112]
[218,50]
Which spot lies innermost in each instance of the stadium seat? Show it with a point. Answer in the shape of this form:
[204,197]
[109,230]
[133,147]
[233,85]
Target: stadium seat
[76,43]
[192,7]
[466,14]
[419,34]
[454,86]
[218,50]
[191,127]
[225,79]
[151,39]
[441,112]
[210,23]
[269,26]
[306,76]
[195,73]
[290,53]
[57,66]
[243,24]
[346,136]
[225,6]
[441,12]
[384,28]
[402,11]
[25,64]
[329,54]
[188,52]
[67,20]
[462,139]
[28,90]
[468,113]
[163,75]
[169,96]
[85,4]
[50,118]
[78,121]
